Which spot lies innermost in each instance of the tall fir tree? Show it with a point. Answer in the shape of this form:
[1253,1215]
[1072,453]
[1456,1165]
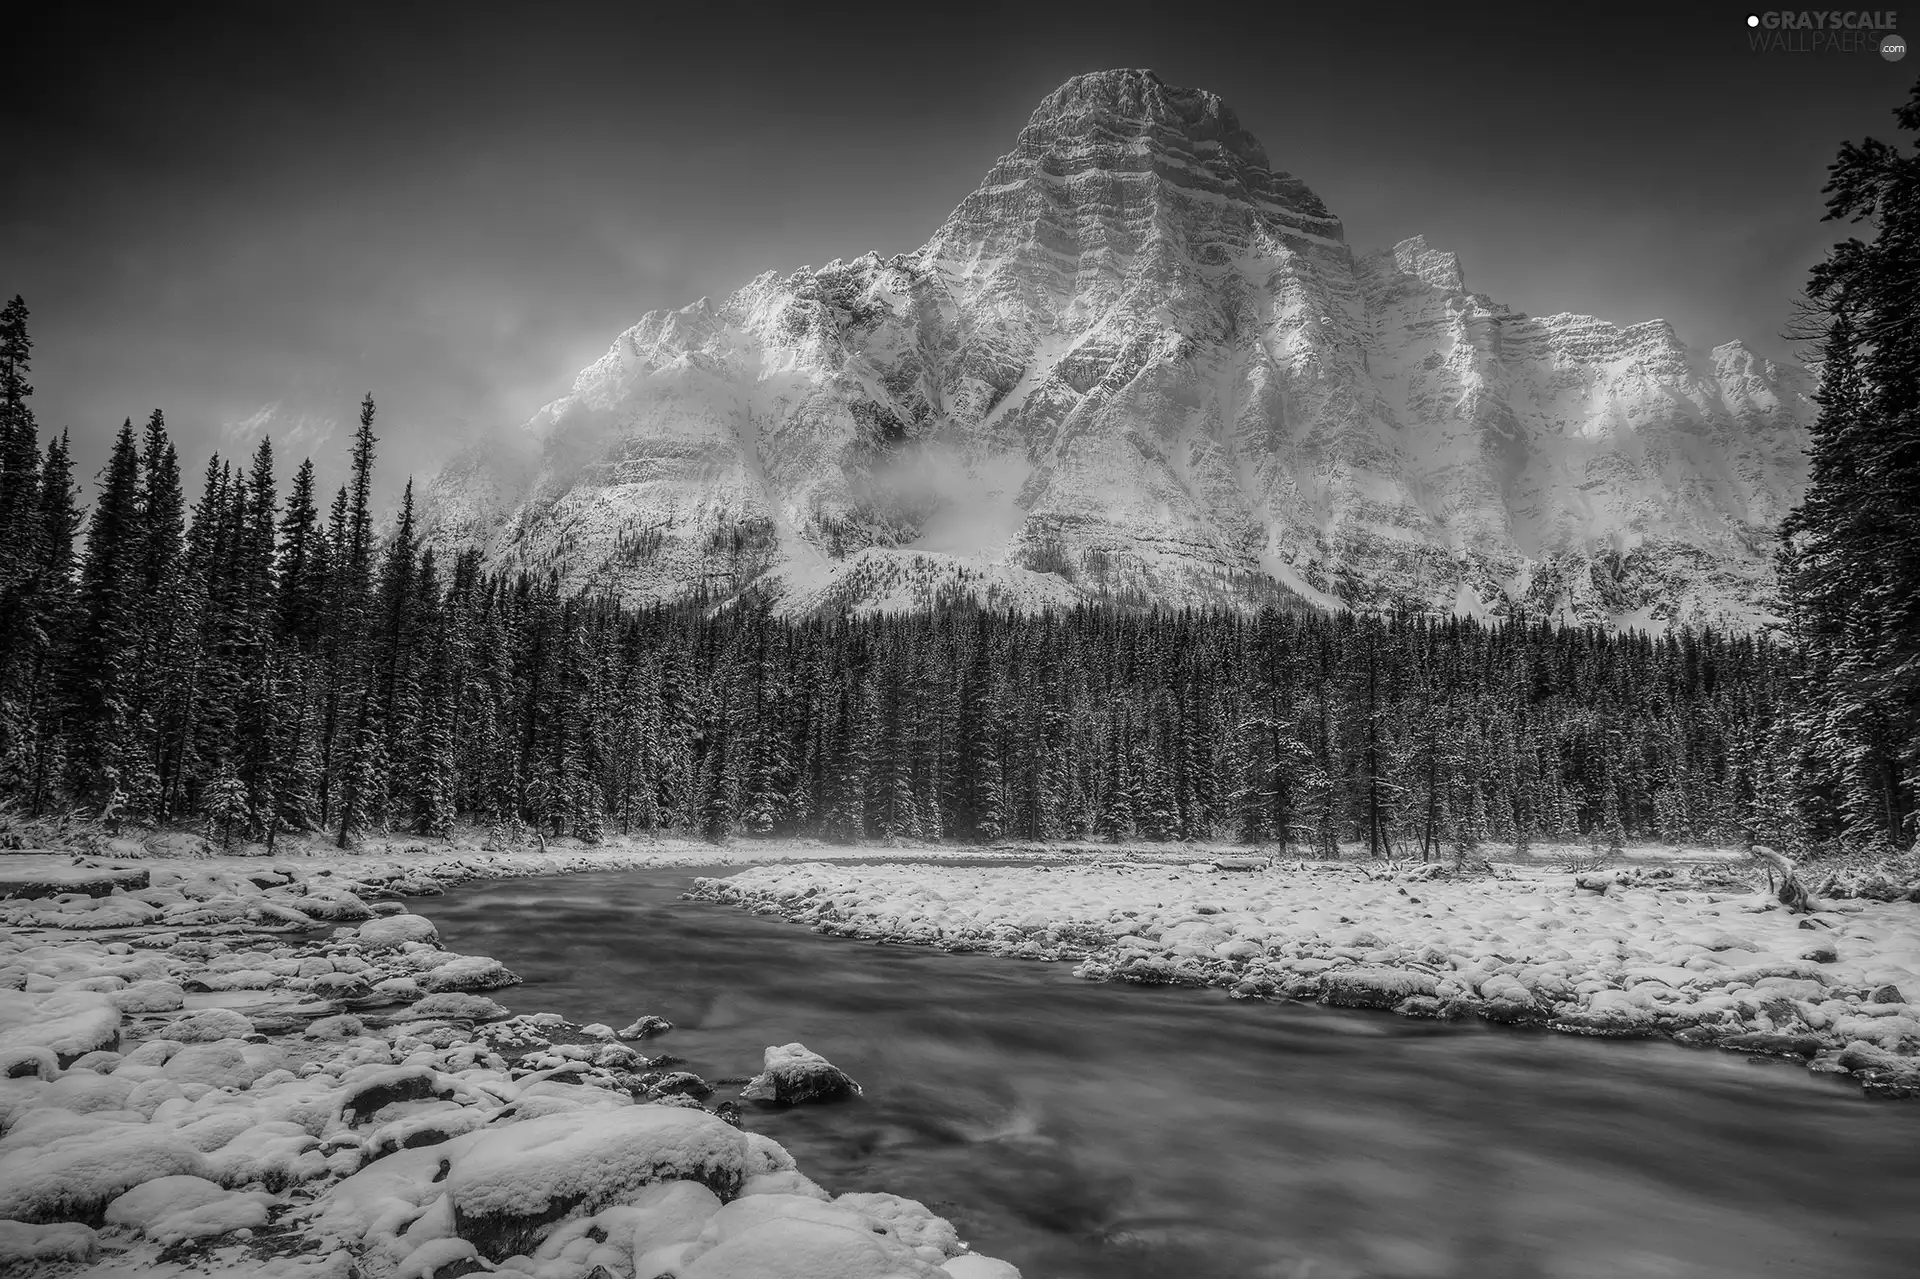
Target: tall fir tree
[1851,554]
[102,668]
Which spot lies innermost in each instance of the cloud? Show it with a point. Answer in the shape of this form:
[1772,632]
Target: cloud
[292,432]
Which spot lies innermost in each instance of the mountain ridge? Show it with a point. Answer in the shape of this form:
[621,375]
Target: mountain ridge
[1137,363]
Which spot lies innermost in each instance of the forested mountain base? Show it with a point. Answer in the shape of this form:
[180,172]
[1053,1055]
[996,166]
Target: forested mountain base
[252,667]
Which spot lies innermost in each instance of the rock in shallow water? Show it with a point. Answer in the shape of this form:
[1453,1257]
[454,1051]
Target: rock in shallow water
[470,972]
[792,1074]
[645,1027]
[395,931]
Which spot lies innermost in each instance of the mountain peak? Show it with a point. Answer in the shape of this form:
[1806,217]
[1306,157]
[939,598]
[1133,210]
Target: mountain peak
[1137,363]
[1096,160]
[1139,103]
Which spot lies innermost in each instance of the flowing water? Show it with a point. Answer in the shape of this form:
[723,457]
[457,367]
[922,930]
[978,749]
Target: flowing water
[1082,1130]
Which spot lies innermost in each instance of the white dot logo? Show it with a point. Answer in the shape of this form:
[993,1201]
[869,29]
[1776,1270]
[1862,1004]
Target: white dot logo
[1893,48]
[1753,19]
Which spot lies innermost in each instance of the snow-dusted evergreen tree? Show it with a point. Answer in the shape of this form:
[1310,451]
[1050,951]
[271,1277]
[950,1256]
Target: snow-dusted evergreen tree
[355,695]
[103,665]
[1851,557]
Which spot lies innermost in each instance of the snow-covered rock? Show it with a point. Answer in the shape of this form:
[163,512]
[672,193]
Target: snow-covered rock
[75,1177]
[23,1244]
[469,973]
[791,1074]
[645,1027]
[1140,361]
[395,931]
[169,1209]
[192,1089]
[508,1186]
[66,1023]
[973,1266]
[797,1248]
[669,1212]
[459,1005]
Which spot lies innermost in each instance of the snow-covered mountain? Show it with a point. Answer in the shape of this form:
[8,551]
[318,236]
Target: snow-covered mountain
[1140,363]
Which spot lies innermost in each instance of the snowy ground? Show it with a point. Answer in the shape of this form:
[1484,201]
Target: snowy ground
[1691,953]
[270,1067]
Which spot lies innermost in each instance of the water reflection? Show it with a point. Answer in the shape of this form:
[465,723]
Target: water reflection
[1082,1130]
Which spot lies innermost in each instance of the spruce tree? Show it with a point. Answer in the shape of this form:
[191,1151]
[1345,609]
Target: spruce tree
[102,671]
[19,438]
[1851,575]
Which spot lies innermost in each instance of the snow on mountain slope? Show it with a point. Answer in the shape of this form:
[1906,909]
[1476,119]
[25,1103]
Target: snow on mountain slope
[1138,363]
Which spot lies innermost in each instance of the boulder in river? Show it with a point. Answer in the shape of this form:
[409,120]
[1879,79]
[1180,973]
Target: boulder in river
[394,931]
[791,1074]
[470,972]
[645,1027]
[454,1005]
[676,1083]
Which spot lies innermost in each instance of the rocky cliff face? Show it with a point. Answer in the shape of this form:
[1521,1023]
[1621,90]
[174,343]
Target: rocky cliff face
[1138,363]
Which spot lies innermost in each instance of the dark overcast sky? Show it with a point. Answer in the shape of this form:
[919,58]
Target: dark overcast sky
[251,216]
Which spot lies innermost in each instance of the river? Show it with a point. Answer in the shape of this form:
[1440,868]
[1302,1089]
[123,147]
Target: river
[1081,1130]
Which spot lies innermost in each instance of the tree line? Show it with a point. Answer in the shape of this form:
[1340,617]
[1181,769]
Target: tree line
[249,663]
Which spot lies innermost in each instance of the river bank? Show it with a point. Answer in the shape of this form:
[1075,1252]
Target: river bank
[1105,1130]
[272,1067]
[1691,953]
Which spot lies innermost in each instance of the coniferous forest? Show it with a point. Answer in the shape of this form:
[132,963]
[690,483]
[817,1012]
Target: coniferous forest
[263,659]
[260,657]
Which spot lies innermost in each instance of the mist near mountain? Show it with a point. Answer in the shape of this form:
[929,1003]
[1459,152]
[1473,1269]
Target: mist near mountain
[1140,363]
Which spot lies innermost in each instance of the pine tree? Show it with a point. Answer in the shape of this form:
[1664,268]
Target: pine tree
[32,737]
[1851,575]
[353,726]
[431,753]
[19,438]
[23,532]
[102,672]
